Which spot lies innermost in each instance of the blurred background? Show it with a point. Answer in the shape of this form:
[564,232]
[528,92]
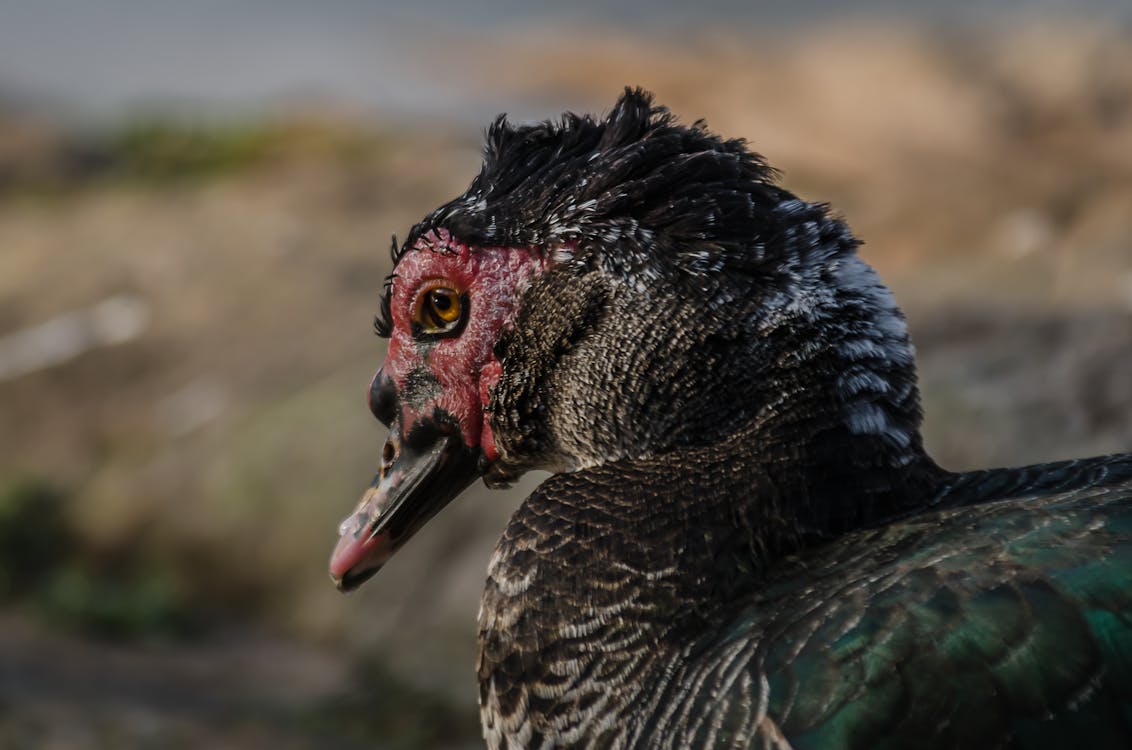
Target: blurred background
[196,201]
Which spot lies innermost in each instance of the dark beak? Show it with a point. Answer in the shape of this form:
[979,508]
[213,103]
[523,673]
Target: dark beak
[418,477]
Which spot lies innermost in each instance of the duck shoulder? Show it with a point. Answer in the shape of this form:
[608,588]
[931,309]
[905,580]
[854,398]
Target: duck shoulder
[992,622]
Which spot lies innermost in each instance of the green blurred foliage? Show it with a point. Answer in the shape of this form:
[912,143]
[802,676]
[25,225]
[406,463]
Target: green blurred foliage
[381,708]
[32,533]
[126,605]
[43,563]
[163,151]
[154,152]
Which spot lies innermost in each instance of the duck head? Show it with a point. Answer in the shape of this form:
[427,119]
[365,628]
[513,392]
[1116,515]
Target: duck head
[613,289]
[445,306]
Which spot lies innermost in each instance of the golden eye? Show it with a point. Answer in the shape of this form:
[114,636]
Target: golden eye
[440,310]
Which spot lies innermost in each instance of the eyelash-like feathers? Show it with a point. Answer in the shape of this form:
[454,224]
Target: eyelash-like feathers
[383,321]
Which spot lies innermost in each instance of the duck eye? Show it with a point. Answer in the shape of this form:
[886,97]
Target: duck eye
[440,310]
[444,304]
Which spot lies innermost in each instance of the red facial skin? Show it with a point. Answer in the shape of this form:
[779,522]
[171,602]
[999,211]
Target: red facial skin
[446,378]
[492,278]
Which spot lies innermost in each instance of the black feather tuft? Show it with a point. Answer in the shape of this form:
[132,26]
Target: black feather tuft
[636,183]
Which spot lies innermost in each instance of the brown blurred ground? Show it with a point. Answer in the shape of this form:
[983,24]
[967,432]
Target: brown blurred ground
[170,500]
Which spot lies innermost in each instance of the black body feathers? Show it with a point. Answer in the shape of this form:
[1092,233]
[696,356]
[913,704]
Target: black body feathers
[745,544]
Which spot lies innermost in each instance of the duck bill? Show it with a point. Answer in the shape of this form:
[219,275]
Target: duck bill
[409,490]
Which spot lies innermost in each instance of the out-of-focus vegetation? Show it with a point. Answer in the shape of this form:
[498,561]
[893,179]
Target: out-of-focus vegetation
[166,152]
[31,532]
[42,562]
[169,490]
[385,709]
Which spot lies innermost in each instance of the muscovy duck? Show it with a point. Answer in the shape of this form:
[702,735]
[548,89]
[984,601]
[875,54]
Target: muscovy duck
[744,543]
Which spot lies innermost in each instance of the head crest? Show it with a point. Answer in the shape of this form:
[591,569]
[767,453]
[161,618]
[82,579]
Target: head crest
[635,191]
[577,178]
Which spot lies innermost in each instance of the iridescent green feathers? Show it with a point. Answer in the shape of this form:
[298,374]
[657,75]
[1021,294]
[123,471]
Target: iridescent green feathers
[1002,625]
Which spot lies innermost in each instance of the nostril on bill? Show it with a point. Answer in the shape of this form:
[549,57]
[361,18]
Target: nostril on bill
[388,456]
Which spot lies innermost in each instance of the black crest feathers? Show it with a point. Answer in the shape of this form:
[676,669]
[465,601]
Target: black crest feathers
[636,183]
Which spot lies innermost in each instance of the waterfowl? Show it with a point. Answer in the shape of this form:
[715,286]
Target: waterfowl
[744,543]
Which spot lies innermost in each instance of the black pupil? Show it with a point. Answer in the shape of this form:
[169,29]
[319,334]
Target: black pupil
[442,302]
